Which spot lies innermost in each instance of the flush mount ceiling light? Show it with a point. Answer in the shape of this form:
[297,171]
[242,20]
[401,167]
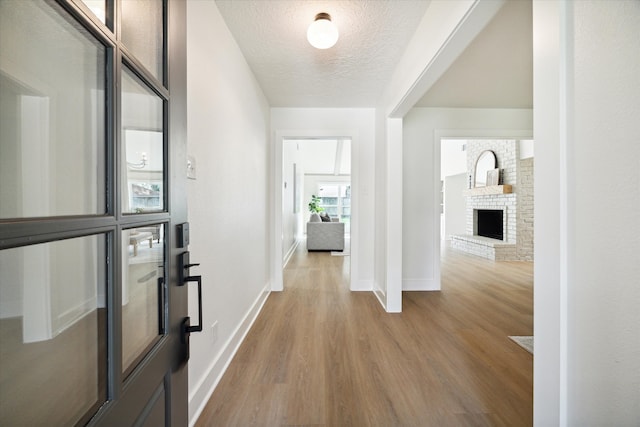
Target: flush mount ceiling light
[322,33]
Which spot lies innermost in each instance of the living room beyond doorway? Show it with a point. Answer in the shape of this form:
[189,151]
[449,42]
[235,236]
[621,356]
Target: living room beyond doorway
[317,169]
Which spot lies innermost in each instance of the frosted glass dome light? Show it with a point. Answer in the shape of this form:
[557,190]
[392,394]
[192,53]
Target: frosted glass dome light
[322,33]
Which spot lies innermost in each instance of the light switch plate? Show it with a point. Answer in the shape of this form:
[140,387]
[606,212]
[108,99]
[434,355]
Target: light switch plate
[191,167]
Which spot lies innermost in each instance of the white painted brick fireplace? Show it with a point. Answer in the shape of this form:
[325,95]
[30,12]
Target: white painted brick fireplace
[516,207]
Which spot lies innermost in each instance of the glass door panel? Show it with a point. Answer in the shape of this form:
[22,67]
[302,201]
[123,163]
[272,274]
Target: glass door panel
[53,334]
[80,111]
[142,292]
[99,9]
[142,33]
[143,147]
[52,114]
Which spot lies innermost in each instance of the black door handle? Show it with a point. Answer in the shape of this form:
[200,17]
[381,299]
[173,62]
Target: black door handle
[184,265]
[198,327]
[187,328]
[161,304]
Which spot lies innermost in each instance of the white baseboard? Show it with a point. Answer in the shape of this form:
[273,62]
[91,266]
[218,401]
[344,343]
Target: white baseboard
[381,297]
[290,253]
[203,391]
[74,314]
[420,285]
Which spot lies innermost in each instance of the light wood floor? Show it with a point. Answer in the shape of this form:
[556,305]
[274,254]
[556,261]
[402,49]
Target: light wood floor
[320,355]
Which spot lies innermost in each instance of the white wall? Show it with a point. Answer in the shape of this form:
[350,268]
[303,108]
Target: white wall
[587,298]
[359,124]
[229,202]
[455,206]
[604,271]
[454,175]
[290,220]
[453,157]
[526,148]
[423,130]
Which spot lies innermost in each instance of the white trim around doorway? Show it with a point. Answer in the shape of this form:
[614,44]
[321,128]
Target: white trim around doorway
[276,197]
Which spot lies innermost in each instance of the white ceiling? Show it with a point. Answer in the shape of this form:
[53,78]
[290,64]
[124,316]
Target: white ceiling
[325,156]
[292,73]
[495,71]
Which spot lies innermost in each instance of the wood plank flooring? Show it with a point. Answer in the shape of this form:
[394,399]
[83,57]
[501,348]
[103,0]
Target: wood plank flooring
[320,355]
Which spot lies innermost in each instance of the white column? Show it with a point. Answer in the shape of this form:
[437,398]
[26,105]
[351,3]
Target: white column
[394,216]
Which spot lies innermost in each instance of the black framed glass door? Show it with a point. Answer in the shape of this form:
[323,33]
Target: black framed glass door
[92,143]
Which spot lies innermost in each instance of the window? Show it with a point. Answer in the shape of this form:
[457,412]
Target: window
[335,198]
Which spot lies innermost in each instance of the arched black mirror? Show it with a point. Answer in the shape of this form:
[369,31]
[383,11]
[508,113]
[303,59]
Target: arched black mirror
[486,162]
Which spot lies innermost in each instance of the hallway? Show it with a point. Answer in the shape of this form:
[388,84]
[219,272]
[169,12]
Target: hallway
[321,355]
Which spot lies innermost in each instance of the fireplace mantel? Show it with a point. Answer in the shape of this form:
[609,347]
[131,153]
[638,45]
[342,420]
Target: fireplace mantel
[489,190]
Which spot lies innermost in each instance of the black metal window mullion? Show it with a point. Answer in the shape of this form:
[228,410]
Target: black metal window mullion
[27,231]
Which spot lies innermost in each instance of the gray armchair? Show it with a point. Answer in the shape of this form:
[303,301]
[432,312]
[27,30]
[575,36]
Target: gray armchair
[325,236]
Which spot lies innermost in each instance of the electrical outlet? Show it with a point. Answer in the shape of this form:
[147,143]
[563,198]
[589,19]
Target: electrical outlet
[214,331]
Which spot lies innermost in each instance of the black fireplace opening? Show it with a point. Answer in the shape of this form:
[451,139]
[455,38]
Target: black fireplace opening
[490,223]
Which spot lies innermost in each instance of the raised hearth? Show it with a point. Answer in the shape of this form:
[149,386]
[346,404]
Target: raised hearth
[484,247]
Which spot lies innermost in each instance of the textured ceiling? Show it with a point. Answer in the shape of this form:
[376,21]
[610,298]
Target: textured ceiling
[495,71]
[353,73]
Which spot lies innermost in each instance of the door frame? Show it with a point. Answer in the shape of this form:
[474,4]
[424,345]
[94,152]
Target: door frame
[438,136]
[277,283]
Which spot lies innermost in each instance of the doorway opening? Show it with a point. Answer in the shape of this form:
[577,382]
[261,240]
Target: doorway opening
[321,168]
